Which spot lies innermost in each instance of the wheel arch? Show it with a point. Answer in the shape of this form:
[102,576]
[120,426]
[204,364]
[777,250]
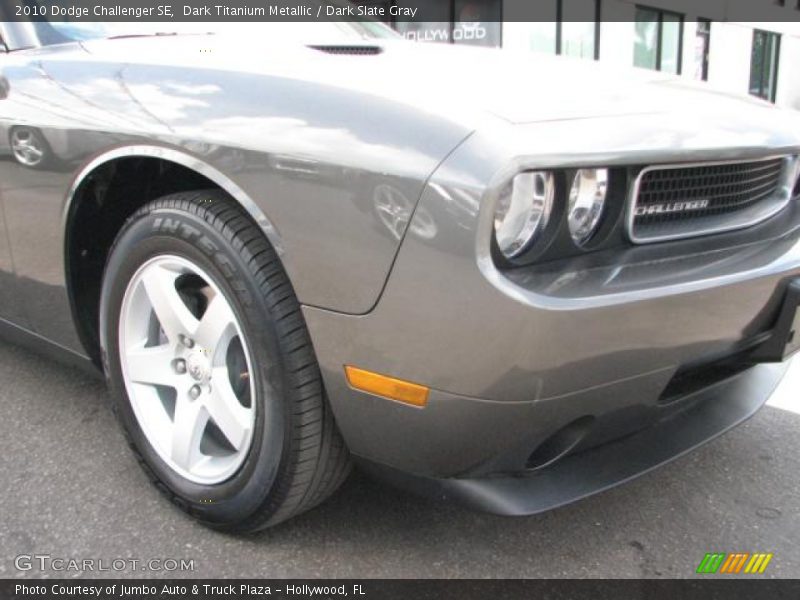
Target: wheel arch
[105,192]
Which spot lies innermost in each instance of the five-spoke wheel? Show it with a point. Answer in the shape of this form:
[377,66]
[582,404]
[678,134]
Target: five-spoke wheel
[211,367]
[187,369]
[29,147]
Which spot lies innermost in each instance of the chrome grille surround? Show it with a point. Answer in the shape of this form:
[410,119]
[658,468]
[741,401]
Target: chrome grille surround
[683,200]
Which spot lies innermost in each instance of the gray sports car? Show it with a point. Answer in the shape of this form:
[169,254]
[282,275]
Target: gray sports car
[511,281]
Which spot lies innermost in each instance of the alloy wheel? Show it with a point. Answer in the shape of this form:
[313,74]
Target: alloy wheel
[186,369]
[27,147]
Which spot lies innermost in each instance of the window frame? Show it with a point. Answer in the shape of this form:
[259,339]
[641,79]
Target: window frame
[660,12]
[707,36]
[773,92]
[560,23]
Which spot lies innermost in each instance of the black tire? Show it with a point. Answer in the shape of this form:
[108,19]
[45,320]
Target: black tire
[297,457]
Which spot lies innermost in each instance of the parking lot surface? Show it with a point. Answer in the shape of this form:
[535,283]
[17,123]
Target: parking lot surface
[71,489]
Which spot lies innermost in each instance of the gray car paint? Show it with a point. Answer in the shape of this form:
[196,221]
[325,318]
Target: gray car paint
[8,298]
[303,139]
[351,142]
[513,357]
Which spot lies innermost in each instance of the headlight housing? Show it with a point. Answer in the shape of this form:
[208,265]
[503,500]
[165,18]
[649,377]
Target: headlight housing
[523,211]
[587,201]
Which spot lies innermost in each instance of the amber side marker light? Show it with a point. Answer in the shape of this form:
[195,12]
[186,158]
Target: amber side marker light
[388,387]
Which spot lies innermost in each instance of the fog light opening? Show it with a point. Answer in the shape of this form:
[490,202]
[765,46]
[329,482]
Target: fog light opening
[560,443]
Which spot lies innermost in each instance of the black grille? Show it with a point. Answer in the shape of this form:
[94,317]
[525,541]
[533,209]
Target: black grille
[693,200]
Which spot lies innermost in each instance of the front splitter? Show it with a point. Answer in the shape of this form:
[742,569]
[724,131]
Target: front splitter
[714,411]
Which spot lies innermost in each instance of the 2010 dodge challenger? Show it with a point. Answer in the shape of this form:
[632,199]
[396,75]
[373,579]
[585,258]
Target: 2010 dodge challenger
[508,281]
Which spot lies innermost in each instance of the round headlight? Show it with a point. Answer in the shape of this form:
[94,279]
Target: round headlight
[523,211]
[587,199]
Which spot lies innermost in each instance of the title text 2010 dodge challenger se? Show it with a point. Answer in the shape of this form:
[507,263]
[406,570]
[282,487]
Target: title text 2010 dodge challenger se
[511,281]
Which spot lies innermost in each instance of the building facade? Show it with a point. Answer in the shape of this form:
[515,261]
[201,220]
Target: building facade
[697,40]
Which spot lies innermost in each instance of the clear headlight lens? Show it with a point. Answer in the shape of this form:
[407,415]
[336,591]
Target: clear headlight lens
[523,211]
[587,200]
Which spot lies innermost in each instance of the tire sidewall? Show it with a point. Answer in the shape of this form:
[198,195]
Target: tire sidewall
[175,232]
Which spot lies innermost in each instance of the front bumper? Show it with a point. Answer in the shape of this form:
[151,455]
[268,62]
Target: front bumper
[510,365]
[713,412]
[531,368]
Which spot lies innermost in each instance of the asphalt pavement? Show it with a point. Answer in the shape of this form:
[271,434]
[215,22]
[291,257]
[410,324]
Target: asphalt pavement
[71,490]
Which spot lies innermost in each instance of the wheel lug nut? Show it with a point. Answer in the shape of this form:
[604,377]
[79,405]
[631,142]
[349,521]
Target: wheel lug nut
[188,342]
[194,392]
[180,366]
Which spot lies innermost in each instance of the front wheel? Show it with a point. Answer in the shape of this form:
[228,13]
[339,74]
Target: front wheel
[211,368]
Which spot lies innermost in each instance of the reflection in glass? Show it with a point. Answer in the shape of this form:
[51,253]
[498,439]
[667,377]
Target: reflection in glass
[571,32]
[670,43]
[541,37]
[577,25]
[657,43]
[470,22]
[645,49]
[764,64]
[578,39]
[702,47]
[477,23]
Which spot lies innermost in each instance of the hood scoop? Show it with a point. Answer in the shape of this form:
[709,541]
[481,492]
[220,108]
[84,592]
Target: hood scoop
[351,50]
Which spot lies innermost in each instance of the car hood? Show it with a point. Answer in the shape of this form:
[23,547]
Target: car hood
[531,87]
[459,83]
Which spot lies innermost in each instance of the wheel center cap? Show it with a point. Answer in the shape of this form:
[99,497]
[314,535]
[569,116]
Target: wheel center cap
[198,367]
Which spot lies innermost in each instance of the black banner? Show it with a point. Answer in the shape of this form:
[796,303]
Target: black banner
[699,589]
[413,11]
